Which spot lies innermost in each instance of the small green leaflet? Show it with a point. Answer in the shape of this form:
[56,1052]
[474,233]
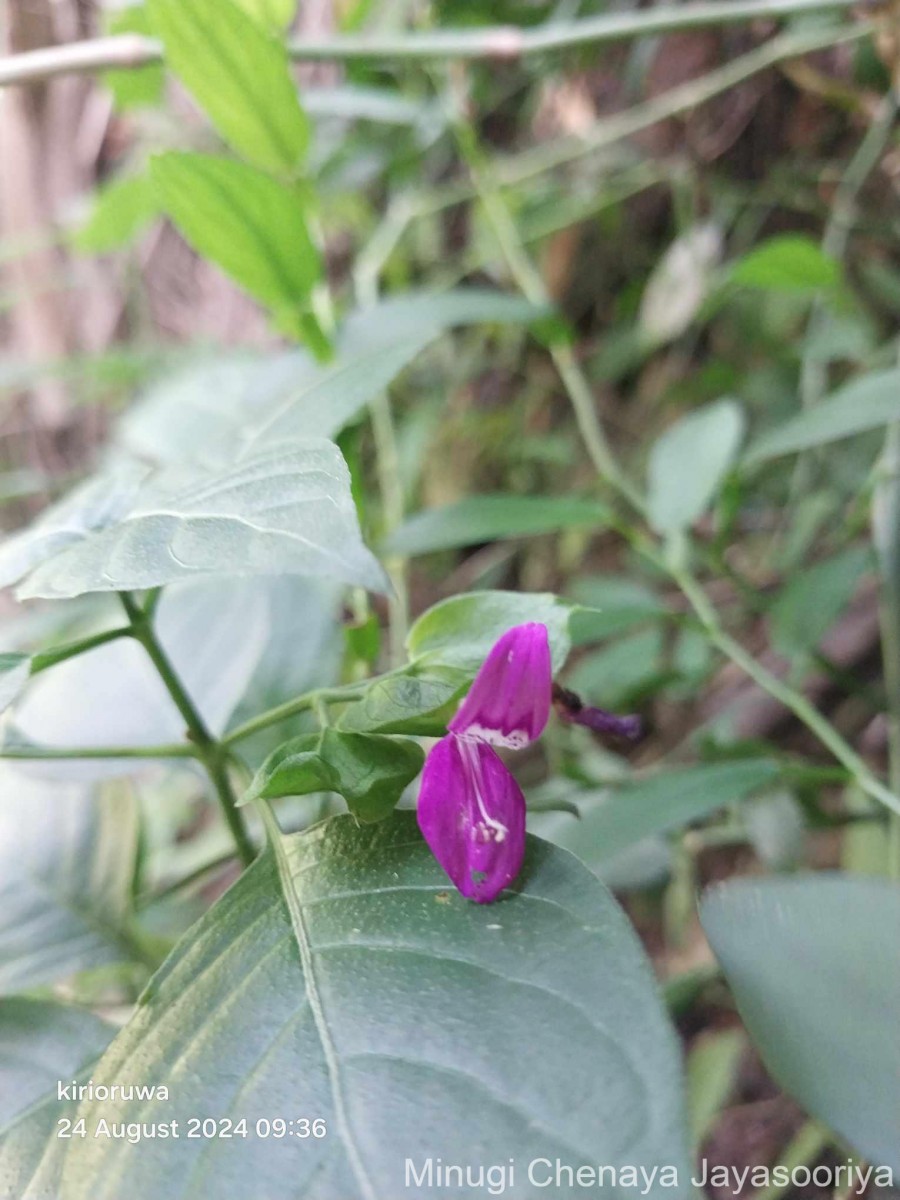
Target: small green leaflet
[368,770]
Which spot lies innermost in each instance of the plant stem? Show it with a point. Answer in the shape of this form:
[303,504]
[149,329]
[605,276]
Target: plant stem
[791,699]
[176,750]
[886,528]
[531,284]
[50,658]
[813,371]
[210,752]
[387,463]
[290,708]
[521,167]
[130,51]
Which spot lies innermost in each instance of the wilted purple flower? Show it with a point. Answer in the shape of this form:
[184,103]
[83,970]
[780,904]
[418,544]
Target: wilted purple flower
[571,709]
[471,810]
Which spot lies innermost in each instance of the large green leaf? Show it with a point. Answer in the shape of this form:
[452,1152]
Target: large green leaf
[813,965]
[66,863]
[42,1042]
[244,402]
[274,13]
[687,464]
[460,631]
[863,404]
[247,223]
[489,518]
[613,821]
[99,501]
[239,74]
[287,510]
[343,979]
[370,771]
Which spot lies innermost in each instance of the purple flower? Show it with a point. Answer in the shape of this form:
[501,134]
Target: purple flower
[471,810]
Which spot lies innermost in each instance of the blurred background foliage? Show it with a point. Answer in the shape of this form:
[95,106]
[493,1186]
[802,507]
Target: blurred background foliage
[715,262]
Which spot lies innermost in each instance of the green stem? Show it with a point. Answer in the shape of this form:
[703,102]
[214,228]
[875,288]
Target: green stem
[526,165]
[210,752]
[791,699]
[886,524]
[177,750]
[813,371]
[49,658]
[531,284]
[387,465]
[290,708]
[132,51]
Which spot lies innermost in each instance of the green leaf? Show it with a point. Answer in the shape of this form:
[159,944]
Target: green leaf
[712,1073]
[688,463]
[14,672]
[614,604]
[66,864]
[93,505]
[121,210]
[342,978]
[813,600]
[134,87]
[239,74]
[42,1042]
[622,670]
[813,965]
[491,518]
[789,263]
[285,511]
[276,14]
[242,401]
[460,631]
[247,223]
[612,821]
[369,771]
[372,770]
[865,403]
[420,699]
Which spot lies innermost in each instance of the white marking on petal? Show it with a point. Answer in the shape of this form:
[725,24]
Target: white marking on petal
[488,828]
[516,739]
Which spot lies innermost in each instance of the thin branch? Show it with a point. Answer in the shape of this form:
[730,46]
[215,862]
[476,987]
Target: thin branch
[37,753]
[617,127]
[130,51]
[210,752]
